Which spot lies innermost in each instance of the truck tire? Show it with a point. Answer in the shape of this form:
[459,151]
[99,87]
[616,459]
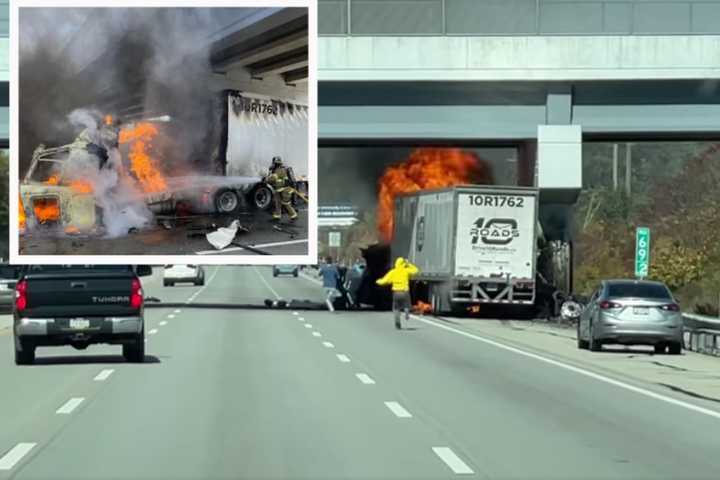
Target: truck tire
[135,352]
[261,197]
[24,352]
[227,201]
[675,348]
[440,300]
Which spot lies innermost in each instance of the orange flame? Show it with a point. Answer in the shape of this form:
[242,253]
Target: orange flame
[474,309]
[21,214]
[141,163]
[72,230]
[46,210]
[426,168]
[422,307]
[52,180]
[108,119]
[81,186]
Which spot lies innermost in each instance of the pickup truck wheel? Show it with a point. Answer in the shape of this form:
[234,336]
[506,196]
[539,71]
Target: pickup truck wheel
[135,352]
[675,348]
[24,353]
[200,282]
[227,201]
[167,284]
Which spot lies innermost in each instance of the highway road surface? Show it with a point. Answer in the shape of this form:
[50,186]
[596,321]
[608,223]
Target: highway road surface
[230,394]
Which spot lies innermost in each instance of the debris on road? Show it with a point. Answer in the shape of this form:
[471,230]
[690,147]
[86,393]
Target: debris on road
[224,236]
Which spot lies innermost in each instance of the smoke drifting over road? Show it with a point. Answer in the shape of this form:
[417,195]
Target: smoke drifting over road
[122,61]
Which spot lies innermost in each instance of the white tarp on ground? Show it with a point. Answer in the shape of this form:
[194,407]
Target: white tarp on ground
[259,129]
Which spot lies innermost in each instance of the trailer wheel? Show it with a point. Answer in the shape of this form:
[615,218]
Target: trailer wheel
[262,197]
[227,201]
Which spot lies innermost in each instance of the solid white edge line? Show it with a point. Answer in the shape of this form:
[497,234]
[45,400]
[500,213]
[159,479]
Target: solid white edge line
[365,378]
[452,460]
[343,358]
[317,334]
[277,295]
[162,323]
[15,454]
[103,375]
[578,370]
[153,331]
[328,345]
[69,406]
[398,410]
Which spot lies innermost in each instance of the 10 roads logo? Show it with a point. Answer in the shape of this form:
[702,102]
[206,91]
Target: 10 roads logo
[494,231]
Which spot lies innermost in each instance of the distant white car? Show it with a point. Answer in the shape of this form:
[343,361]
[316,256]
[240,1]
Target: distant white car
[183,274]
[285,270]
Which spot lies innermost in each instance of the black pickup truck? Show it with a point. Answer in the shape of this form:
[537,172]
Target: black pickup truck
[79,305]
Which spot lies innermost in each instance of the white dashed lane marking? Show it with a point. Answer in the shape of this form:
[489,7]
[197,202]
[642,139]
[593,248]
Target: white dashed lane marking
[328,345]
[398,410]
[69,406]
[103,375]
[307,325]
[317,334]
[451,460]
[153,331]
[343,358]
[365,378]
[163,323]
[12,457]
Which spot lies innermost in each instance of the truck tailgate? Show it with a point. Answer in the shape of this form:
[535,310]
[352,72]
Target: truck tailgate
[79,294]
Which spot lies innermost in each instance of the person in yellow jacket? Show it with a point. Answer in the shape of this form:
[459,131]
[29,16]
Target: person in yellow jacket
[399,278]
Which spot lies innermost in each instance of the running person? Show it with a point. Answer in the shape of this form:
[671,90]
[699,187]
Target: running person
[399,278]
[331,276]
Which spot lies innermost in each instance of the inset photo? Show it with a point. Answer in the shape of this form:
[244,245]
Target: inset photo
[163,134]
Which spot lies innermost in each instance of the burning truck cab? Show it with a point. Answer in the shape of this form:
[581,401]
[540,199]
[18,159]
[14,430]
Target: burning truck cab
[49,200]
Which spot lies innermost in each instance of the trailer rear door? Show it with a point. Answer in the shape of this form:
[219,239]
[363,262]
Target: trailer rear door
[496,234]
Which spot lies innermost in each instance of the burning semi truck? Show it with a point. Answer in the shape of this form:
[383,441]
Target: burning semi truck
[88,186]
[473,244]
[480,248]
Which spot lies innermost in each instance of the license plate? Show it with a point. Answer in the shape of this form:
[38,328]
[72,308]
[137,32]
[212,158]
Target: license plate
[79,323]
[640,311]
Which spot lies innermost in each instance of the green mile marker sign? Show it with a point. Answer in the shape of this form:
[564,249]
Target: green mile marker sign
[642,252]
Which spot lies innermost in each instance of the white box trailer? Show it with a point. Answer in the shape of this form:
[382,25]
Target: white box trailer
[473,244]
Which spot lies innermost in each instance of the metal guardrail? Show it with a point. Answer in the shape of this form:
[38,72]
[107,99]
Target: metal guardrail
[701,334]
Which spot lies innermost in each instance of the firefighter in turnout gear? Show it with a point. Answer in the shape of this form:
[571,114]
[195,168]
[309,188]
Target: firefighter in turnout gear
[279,180]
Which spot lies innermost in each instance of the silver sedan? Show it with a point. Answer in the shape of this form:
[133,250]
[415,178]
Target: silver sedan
[631,312]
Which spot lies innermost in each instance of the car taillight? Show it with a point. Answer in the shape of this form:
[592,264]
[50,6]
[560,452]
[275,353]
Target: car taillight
[21,295]
[605,305]
[671,307]
[136,294]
